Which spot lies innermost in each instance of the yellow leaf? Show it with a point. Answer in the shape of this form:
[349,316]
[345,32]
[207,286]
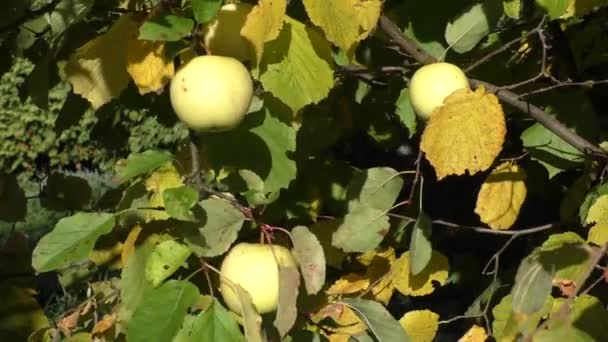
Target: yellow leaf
[98,69]
[347,324]
[147,65]
[108,256]
[420,325]
[501,196]
[165,177]
[344,22]
[348,284]
[379,265]
[598,215]
[369,257]
[263,24]
[129,245]
[422,283]
[475,334]
[465,134]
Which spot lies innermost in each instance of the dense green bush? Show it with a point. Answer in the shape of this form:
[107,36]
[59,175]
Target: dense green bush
[29,138]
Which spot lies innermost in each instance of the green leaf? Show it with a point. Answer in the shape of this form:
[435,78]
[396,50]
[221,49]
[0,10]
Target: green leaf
[71,240]
[566,253]
[587,313]
[261,144]
[205,10]
[167,257]
[221,225]
[507,324]
[215,324]
[311,259]
[555,8]
[67,13]
[406,112]
[166,27]
[378,320]
[512,8]
[595,193]
[471,26]
[361,230]
[160,315]
[179,201]
[421,249]
[297,67]
[134,286]
[287,311]
[475,309]
[140,163]
[564,332]
[532,286]
[376,188]
[13,204]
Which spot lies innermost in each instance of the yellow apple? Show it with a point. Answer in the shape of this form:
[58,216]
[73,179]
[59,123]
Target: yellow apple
[222,36]
[253,266]
[432,83]
[211,93]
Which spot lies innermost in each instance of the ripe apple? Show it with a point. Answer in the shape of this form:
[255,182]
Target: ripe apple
[253,266]
[211,93]
[432,83]
[222,36]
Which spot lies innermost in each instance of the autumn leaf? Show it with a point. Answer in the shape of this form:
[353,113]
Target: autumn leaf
[421,284]
[474,334]
[147,64]
[98,69]
[344,22]
[166,177]
[379,264]
[501,196]
[263,24]
[465,134]
[598,216]
[420,325]
[128,246]
[348,284]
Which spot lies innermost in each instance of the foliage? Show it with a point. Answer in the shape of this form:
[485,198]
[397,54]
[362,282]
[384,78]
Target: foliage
[487,220]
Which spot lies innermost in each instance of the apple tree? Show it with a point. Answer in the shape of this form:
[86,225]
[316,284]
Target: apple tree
[352,170]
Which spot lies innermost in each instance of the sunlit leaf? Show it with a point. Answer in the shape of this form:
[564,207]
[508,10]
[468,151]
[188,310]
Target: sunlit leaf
[507,324]
[252,320]
[140,163]
[166,258]
[71,240]
[215,324]
[377,188]
[344,22]
[566,254]
[587,313]
[98,69]
[379,264]
[348,284]
[597,216]
[134,286]
[474,334]
[310,256]
[161,313]
[263,24]
[532,286]
[465,134]
[361,230]
[297,68]
[501,196]
[378,320]
[148,65]
[512,8]
[164,178]
[555,8]
[405,112]
[205,10]
[179,201]
[420,325]
[287,311]
[421,284]
[166,27]
[472,25]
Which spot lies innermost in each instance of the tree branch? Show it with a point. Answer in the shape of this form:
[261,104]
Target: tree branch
[505,95]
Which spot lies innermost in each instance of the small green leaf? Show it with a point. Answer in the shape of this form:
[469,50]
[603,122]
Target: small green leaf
[71,240]
[555,8]
[532,286]
[311,259]
[297,67]
[161,314]
[215,324]
[378,320]
[471,26]
[377,188]
[166,258]
[179,201]
[287,311]
[167,27]
[420,244]
[205,10]
[361,230]
[405,112]
[140,163]
[221,225]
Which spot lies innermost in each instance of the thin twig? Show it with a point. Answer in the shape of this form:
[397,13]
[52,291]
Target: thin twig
[586,84]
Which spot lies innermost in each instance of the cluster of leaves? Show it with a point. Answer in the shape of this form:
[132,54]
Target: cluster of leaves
[365,237]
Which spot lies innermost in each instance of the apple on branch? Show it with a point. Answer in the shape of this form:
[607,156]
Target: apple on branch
[211,93]
[253,266]
[432,83]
